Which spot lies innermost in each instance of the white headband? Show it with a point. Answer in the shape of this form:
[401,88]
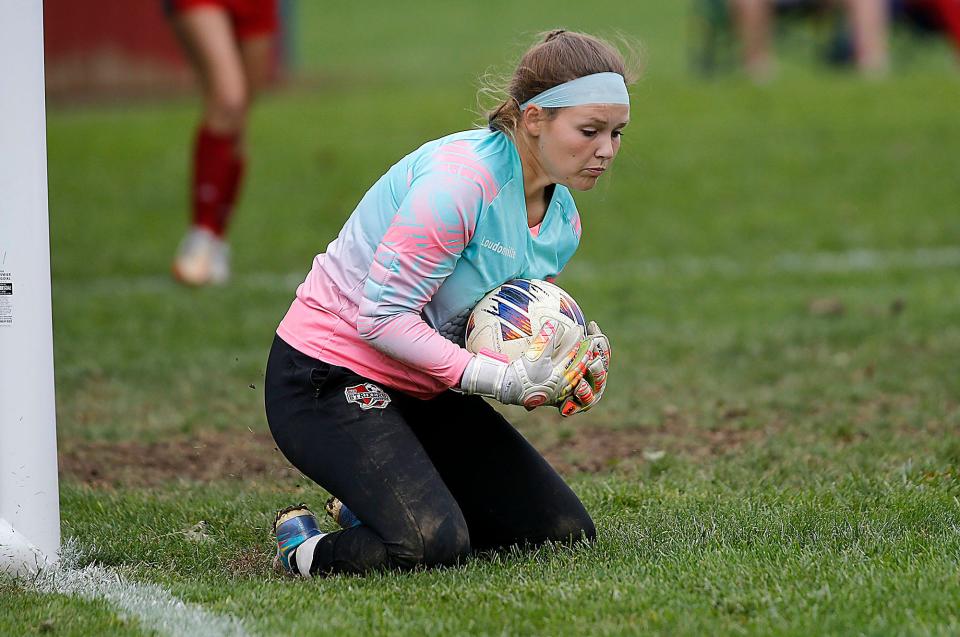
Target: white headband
[599,88]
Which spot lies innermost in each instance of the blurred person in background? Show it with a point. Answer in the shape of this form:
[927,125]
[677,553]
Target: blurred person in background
[868,22]
[931,17]
[230,46]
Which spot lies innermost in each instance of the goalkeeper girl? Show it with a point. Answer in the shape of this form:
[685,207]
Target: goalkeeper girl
[368,390]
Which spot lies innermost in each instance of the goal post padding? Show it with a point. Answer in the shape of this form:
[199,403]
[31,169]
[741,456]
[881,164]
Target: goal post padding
[29,498]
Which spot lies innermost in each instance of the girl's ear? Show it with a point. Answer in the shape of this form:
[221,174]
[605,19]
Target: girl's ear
[532,120]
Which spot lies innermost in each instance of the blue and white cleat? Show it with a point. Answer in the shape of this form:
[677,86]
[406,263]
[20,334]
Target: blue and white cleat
[341,514]
[294,525]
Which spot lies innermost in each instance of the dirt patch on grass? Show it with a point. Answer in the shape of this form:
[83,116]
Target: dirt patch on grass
[208,456]
[597,450]
[231,455]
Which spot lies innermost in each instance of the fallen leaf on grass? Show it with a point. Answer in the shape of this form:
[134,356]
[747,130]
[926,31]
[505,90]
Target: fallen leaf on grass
[828,306]
[198,532]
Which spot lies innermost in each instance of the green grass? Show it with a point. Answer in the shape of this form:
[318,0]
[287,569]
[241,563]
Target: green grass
[33,613]
[809,482]
[677,552]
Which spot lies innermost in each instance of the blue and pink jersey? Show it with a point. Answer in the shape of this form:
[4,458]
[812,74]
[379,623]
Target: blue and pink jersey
[390,297]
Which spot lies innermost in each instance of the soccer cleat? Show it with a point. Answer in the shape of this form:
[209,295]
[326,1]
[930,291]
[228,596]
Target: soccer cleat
[294,525]
[341,514]
[220,265]
[202,258]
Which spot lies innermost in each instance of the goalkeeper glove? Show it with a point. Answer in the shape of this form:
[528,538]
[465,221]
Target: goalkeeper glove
[589,390]
[546,373]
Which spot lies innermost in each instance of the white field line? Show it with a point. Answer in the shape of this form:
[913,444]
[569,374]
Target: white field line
[160,283]
[846,262]
[155,608]
[801,263]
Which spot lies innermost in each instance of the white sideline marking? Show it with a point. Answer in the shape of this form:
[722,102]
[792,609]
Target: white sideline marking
[846,262]
[154,607]
[867,260]
[156,283]
[788,262]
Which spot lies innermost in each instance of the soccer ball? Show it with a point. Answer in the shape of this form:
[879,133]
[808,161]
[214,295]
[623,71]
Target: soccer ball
[507,319]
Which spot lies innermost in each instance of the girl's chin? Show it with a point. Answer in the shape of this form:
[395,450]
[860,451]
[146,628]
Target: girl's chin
[581,182]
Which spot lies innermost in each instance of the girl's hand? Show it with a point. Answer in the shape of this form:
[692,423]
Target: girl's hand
[589,390]
[546,374]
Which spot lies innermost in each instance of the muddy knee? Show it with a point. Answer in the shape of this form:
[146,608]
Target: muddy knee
[573,528]
[436,540]
[447,542]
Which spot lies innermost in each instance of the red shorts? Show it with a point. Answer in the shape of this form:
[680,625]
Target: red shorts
[250,18]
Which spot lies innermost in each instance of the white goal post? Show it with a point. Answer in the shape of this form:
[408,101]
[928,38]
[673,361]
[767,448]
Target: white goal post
[29,497]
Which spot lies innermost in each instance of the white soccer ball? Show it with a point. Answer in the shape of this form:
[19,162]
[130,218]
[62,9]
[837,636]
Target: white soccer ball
[507,319]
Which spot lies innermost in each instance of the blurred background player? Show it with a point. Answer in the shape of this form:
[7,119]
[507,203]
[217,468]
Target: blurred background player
[368,389]
[868,22]
[230,46]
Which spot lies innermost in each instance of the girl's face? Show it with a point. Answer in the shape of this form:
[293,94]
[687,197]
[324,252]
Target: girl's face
[580,142]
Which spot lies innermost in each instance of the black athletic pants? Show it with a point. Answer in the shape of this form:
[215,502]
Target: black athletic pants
[430,480]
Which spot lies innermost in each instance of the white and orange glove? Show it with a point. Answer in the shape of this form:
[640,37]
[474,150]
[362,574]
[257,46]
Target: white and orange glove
[546,374]
[589,390]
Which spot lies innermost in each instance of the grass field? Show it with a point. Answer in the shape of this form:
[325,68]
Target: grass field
[777,267]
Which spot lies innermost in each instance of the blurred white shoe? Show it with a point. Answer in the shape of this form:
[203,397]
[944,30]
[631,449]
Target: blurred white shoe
[203,258]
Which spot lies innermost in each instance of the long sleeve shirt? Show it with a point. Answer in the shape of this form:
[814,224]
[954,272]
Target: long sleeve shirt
[390,296]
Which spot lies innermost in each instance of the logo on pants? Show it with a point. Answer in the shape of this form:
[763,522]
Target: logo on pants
[367,395]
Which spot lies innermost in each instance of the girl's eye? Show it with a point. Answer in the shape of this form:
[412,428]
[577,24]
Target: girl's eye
[588,132]
[618,133]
